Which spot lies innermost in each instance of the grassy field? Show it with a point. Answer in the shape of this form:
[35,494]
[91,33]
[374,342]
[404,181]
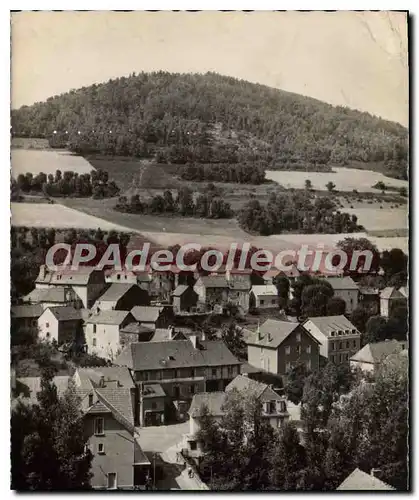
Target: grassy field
[47,161]
[345,179]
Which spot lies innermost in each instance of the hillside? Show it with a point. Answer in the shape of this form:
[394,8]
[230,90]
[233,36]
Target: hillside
[186,118]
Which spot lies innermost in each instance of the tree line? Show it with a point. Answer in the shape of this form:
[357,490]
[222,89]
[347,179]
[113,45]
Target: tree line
[68,183]
[206,205]
[211,118]
[296,212]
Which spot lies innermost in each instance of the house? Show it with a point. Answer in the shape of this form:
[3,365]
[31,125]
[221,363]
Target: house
[277,346]
[369,358]
[120,276]
[346,289]
[107,332]
[369,295]
[54,296]
[106,400]
[122,297]
[182,367]
[239,290]
[212,290]
[274,409]
[25,317]
[390,298]
[263,297]
[62,324]
[153,317]
[338,337]
[87,282]
[152,405]
[184,299]
[361,481]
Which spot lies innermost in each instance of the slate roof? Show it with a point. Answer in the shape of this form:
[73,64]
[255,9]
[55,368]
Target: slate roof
[242,383]
[147,314]
[212,400]
[26,311]
[215,281]
[163,335]
[174,354]
[115,292]
[329,324]
[153,391]
[138,329]
[390,292]
[375,352]
[359,480]
[65,313]
[108,317]
[90,377]
[119,401]
[180,290]
[275,330]
[68,276]
[342,283]
[248,368]
[264,290]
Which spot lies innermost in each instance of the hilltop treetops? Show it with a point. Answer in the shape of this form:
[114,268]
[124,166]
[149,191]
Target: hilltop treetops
[63,257]
[193,118]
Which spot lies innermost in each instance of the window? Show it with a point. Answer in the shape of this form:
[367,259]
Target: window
[340,358]
[94,328]
[101,448]
[340,345]
[94,342]
[192,445]
[262,302]
[273,301]
[176,392]
[192,389]
[271,407]
[332,334]
[282,406]
[347,344]
[90,399]
[298,337]
[332,346]
[118,276]
[47,325]
[214,372]
[48,334]
[308,349]
[112,481]
[230,371]
[153,405]
[298,349]
[99,426]
[354,342]
[287,349]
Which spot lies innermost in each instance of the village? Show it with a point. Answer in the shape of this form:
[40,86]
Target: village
[163,369]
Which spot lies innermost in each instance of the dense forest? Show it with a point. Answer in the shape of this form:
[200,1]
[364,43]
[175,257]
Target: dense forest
[184,118]
[246,173]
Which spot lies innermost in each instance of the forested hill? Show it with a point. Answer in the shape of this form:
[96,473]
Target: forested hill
[181,118]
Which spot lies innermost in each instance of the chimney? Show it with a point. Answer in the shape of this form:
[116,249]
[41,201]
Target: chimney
[203,336]
[171,331]
[102,381]
[258,332]
[375,472]
[42,272]
[194,340]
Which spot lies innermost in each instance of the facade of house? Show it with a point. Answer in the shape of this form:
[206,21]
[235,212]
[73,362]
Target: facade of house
[277,346]
[152,405]
[369,358]
[25,317]
[212,290]
[338,337]
[153,317]
[263,297]
[182,367]
[274,409]
[390,298]
[87,282]
[107,332]
[240,284]
[122,297]
[120,276]
[62,324]
[346,289]
[184,299]
[107,396]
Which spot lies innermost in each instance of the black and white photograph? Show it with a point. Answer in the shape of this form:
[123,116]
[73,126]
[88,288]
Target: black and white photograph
[209,251]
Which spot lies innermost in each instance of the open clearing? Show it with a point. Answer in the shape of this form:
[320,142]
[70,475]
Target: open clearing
[376,219]
[345,179]
[47,161]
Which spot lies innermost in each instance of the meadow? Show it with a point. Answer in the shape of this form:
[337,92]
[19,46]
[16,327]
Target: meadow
[345,179]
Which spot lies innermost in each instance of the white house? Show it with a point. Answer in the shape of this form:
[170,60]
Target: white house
[62,324]
[371,355]
[263,297]
[107,332]
[346,289]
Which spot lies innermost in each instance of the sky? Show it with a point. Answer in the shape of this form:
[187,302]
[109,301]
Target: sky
[354,59]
